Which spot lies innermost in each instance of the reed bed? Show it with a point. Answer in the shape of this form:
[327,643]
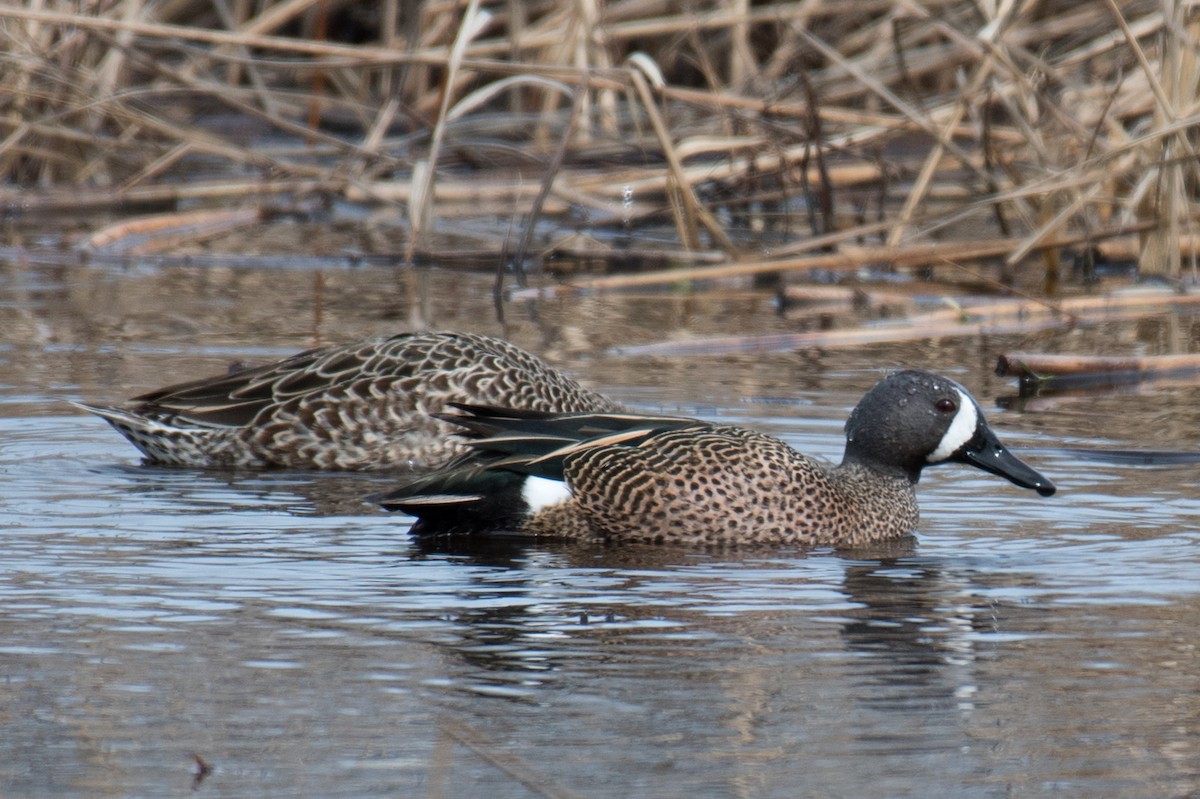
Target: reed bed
[762,139]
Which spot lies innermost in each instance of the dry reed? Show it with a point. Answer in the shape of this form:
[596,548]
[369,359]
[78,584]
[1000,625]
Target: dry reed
[881,126]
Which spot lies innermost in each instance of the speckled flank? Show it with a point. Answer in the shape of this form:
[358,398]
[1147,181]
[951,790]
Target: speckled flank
[721,485]
[366,405]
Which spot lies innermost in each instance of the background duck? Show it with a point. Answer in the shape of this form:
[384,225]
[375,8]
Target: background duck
[372,404]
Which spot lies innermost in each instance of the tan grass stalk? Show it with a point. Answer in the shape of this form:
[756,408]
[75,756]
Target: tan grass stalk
[150,234]
[107,71]
[1166,202]
[420,212]
[275,17]
[690,211]
[245,60]
[922,121]
[158,165]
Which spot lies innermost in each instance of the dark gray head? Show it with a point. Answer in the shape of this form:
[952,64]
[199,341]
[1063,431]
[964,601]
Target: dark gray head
[914,419]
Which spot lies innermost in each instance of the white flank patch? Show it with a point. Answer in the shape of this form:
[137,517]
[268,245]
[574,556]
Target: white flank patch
[541,492]
[962,429]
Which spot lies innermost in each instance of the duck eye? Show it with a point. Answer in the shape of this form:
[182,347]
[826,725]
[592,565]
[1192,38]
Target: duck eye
[946,405]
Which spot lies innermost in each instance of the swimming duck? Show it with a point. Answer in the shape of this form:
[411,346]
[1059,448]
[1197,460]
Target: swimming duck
[624,477]
[372,404]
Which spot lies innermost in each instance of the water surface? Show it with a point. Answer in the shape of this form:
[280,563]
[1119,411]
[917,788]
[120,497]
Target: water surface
[302,644]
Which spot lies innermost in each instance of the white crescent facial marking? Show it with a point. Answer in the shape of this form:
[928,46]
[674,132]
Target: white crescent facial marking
[962,429]
[541,492]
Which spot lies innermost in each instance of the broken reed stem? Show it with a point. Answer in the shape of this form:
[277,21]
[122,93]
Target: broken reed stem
[518,769]
[919,328]
[1041,365]
[149,234]
[848,258]
[832,339]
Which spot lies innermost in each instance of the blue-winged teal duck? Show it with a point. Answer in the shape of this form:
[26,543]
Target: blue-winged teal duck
[624,477]
[367,405]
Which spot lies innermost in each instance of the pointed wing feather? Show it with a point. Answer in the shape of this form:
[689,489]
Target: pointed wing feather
[509,445]
[237,398]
